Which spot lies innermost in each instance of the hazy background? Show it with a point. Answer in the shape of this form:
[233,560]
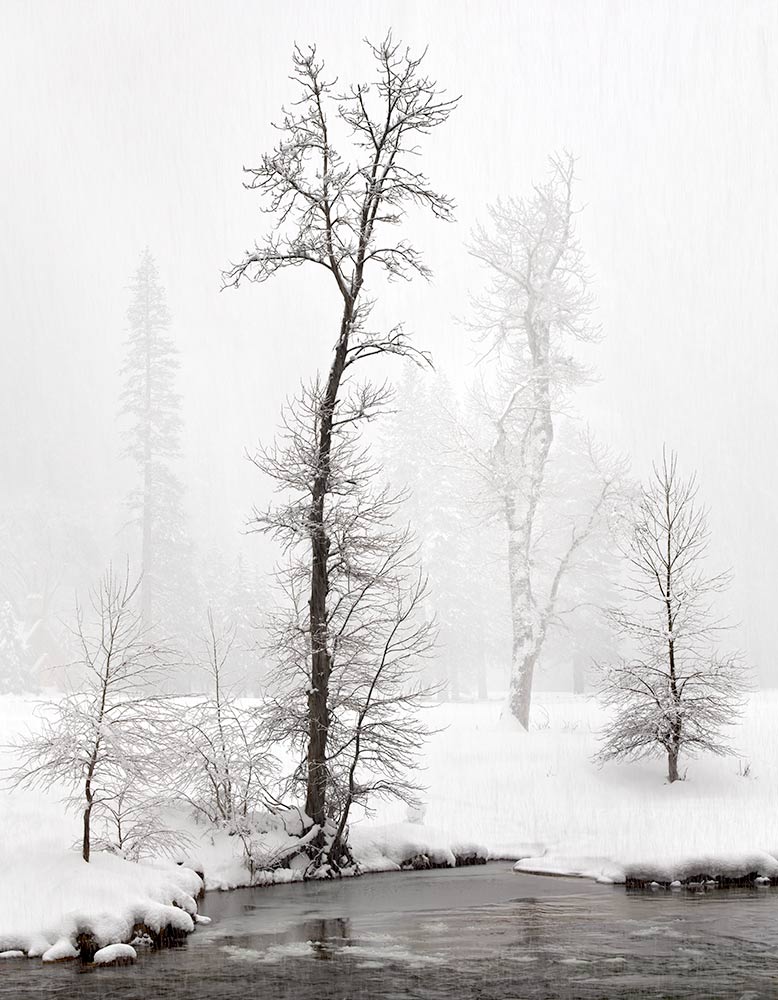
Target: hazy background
[126,124]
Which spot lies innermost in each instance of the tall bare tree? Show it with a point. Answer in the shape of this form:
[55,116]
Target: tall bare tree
[337,211]
[676,692]
[537,302]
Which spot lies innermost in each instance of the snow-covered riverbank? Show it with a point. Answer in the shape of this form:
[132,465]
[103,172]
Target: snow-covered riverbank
[538,796]
[51,898]
[492,790]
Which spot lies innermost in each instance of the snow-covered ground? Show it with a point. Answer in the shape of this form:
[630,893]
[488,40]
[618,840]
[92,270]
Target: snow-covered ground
[538,796]
[492,789]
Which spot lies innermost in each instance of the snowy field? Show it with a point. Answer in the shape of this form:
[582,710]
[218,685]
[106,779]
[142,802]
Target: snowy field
[531,796]
[538,796]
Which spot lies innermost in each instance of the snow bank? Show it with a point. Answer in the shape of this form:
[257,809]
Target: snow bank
[388,848]
[49,900]
[375,849]
[220,856]
[598,868]
[733,864]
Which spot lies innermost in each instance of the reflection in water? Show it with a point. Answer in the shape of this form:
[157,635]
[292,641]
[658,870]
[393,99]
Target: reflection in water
[485,933]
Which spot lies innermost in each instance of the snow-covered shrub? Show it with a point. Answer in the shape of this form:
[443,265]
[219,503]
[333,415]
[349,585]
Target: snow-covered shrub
[224,763]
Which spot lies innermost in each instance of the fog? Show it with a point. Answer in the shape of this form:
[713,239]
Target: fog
[126,125]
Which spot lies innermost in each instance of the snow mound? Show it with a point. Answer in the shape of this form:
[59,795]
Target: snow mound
[59,952]
[115,953]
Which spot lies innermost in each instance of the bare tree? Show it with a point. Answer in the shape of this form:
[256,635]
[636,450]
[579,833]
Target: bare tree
[102,736]
[538,302]
[337,212]
[677,693]
[377,635]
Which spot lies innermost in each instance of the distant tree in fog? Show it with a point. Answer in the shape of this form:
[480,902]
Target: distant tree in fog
[420,448]
[676,692]
[15,674]
[238,594]
[537,304]
[101,740]
[336,209]
[152,408]
[45,554]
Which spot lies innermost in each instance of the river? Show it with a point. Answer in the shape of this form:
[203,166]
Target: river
[484,932]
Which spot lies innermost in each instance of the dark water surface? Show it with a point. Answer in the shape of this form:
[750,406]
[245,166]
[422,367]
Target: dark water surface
[483,932]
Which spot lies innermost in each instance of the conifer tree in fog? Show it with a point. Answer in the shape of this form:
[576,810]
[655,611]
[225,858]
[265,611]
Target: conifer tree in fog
[151,408]
[676,691]
[339,182]
[536,305]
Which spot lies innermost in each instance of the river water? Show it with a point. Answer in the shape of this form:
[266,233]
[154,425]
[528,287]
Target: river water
[483,932]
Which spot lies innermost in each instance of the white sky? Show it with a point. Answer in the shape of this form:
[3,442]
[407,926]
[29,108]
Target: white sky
[126,123]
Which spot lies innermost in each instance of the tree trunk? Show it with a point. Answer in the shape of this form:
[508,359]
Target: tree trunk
[481,680]
[321,661]
[579,674]
[523,647]
[520,695]
[520,510]
[453,679]
[672,765]
[86,842]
